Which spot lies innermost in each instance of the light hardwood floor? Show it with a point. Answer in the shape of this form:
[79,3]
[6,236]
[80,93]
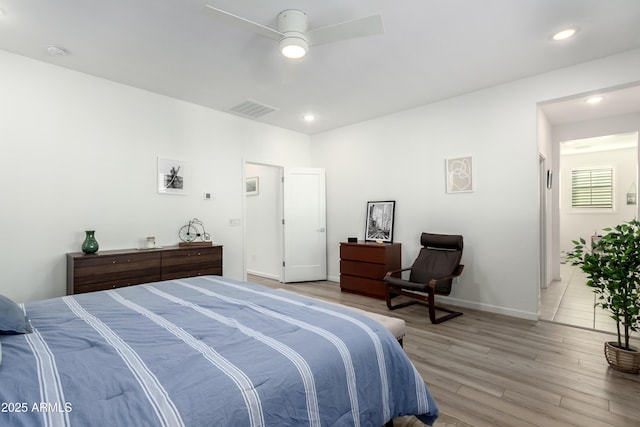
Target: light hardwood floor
[489,370]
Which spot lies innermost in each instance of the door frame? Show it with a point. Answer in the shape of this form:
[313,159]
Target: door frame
[544,182]
[244,216]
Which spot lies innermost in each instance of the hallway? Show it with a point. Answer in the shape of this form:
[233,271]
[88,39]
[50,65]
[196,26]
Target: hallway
[570,302]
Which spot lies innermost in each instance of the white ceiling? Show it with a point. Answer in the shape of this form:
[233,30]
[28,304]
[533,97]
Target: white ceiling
[431,50]
[599,143]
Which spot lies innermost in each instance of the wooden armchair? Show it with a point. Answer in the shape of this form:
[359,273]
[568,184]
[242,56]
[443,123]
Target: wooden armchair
[432,274]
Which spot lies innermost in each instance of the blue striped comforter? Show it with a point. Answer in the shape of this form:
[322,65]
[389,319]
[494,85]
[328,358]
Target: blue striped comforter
[205,351]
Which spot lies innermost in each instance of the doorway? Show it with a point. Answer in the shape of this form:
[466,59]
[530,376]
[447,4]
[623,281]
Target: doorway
[285,223]
[263,220]
[569,300]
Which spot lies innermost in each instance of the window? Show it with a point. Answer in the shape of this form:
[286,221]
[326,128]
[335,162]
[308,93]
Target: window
[592,188]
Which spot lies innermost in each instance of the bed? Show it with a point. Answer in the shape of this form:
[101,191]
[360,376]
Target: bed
[204,351]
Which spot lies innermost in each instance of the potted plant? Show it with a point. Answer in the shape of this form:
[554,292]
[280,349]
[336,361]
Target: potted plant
[612,266]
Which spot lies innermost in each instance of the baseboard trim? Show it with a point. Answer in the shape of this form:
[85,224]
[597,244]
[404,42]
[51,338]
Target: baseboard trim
[265,275]
[489,308]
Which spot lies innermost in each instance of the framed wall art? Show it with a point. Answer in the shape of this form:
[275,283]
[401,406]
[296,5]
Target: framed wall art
[380,216]
[252,186]
[459,175]
[172,176]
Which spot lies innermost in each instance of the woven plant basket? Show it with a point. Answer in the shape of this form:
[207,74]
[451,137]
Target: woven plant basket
[622,360]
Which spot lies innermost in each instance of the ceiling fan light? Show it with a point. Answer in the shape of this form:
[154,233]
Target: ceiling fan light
[293,47]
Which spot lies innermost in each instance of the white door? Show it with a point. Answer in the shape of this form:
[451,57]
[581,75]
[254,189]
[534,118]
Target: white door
[304,225]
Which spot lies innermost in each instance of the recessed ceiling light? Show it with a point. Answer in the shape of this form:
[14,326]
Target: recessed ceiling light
[564,34]
[309,118]
[56,51]
[593,100]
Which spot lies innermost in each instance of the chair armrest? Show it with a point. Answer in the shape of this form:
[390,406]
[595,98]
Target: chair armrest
[392,272]
[456,273]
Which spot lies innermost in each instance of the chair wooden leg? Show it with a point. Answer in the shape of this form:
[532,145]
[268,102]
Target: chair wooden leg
[428,300]
[389,294]
[451,315]
[433,308]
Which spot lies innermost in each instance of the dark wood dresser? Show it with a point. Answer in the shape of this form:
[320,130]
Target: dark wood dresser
[364,264]
[126,267]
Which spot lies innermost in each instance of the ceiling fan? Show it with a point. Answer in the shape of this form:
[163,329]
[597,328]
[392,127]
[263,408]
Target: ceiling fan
[292,31]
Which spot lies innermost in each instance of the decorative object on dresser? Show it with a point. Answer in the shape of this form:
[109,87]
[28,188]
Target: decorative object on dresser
[119,268]
[432,273]
[90,244]
[193,234]
[151,242]
[380,222]
[364,264]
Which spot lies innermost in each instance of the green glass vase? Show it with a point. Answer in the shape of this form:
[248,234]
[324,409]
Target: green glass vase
[90,244]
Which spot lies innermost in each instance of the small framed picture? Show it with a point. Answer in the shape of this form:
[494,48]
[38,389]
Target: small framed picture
[459,174]
[173,176]
[251,186]
[380,217]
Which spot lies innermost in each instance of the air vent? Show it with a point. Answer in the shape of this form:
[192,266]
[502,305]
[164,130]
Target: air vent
[252,109]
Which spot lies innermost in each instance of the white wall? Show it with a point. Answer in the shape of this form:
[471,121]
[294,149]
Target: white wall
[263,232]
[80,153]
[401,157]
[576,223]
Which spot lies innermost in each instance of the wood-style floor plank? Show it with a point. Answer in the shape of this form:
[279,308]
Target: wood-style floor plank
[488,370]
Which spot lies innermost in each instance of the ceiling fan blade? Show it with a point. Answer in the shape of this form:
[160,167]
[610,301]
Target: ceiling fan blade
[360,27]
[232,19]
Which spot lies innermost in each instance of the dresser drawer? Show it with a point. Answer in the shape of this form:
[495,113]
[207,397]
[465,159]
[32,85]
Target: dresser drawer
[363,269]
[116,283]
[191,262]
[94,269]
[363,286]
[367,253]
[190,256]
